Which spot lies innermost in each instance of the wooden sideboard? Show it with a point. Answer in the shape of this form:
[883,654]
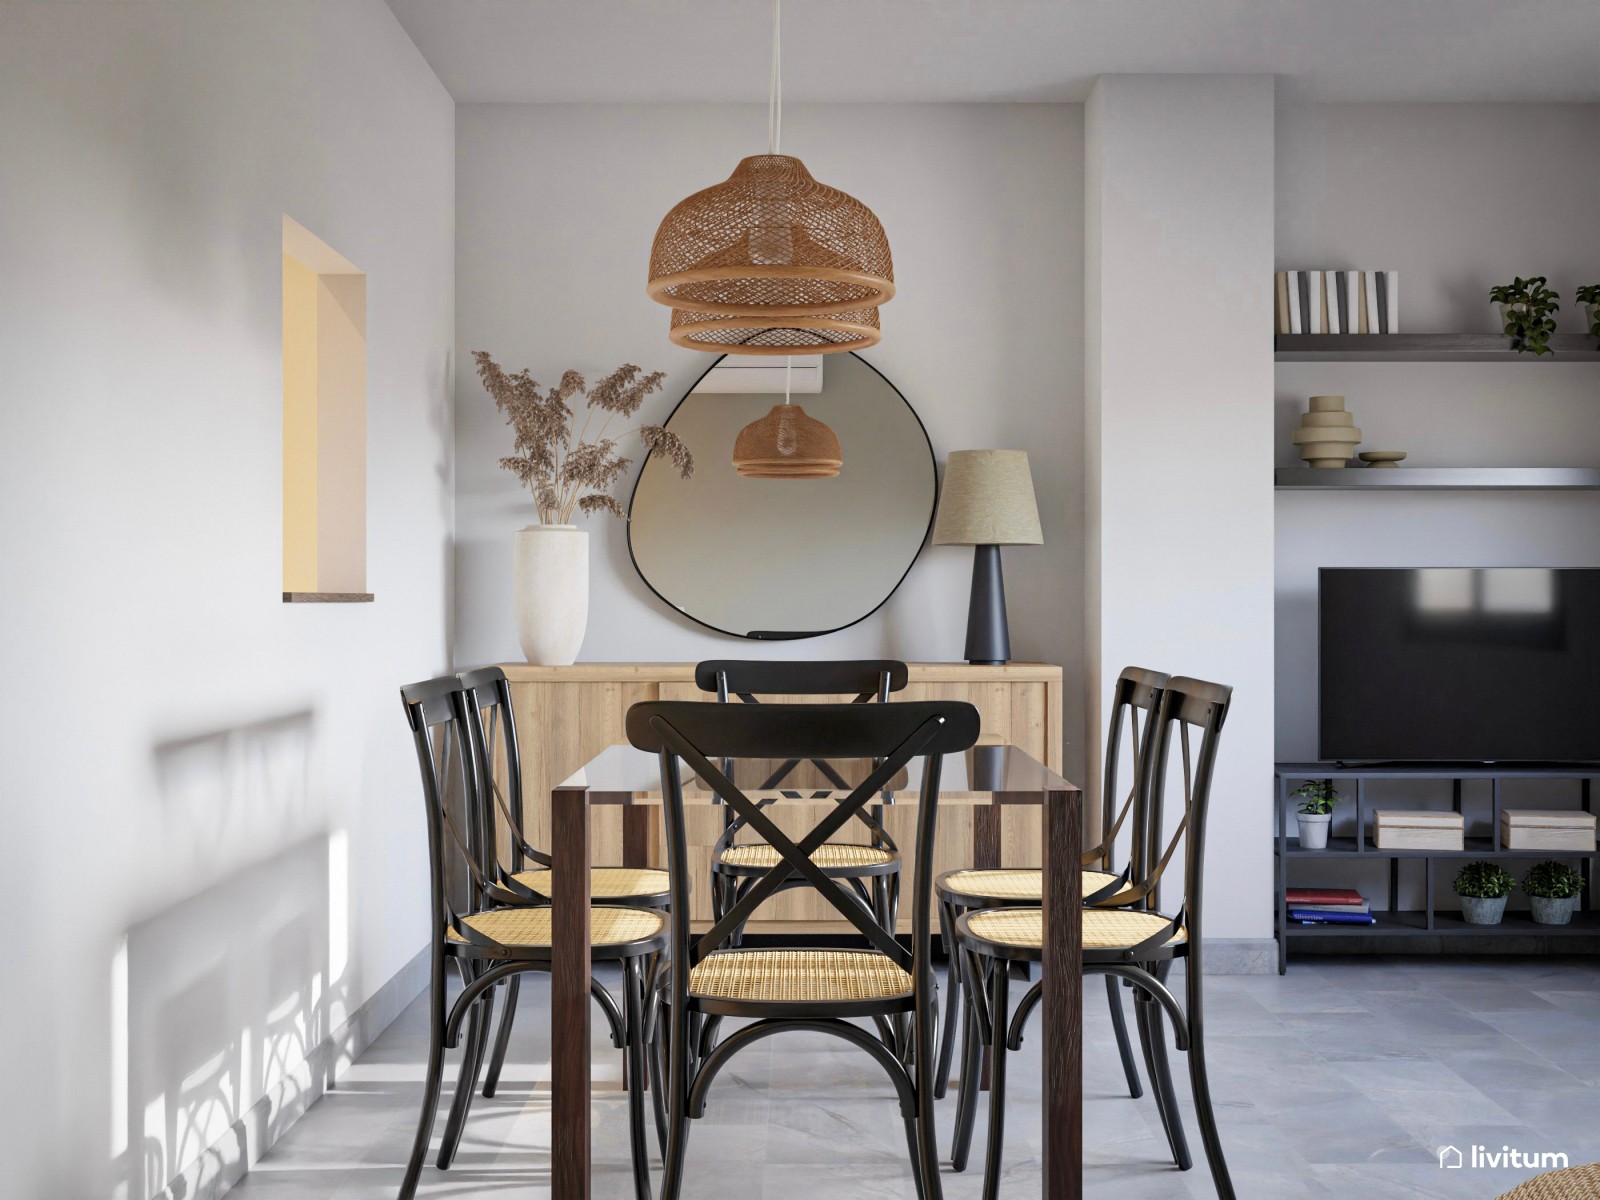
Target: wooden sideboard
[567,715]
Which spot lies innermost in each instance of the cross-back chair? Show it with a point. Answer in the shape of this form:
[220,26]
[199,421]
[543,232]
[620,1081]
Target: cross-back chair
[1133,704]
[1125,934]
[526,879]
[871,868]
[816,990]
[490,941]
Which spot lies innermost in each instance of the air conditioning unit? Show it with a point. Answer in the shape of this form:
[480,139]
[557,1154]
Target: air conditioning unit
[757,375]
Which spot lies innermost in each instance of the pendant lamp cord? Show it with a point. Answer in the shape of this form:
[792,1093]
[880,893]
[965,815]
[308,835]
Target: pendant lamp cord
[775,88]
[775,137]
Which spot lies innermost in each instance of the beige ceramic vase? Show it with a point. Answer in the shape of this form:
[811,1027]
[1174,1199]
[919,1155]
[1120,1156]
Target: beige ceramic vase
[1327,435]
[550,570]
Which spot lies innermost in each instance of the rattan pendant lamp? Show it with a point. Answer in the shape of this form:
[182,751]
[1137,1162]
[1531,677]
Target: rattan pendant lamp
[770,261]
[787,443]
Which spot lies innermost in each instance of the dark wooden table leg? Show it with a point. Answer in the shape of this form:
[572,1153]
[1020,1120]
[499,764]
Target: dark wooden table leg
[638,820]
[986,830]
[1063,997]
[569,995]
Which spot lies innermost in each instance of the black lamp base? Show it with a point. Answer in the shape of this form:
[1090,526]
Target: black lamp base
[988,639]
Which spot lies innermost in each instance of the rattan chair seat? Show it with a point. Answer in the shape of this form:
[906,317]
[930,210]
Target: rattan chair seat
[830,855]
[1015,885]
[1571,1183]
[1103,928]
[531,926]
[788,976]
[605,883]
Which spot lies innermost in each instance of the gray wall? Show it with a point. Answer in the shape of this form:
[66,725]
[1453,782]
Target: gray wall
[1456,198]
[983,206]
[1180,507]
[211,808]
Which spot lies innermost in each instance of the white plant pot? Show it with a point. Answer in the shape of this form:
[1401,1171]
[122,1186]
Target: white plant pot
[1502,313]
[550,574]
[1314,830]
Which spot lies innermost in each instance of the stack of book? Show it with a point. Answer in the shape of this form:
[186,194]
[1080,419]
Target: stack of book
[1328,906]
[1338,301]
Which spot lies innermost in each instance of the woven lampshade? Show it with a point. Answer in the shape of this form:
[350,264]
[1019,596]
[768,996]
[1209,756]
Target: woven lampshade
[770,240]
[787,444]
[833,333]
[987,500]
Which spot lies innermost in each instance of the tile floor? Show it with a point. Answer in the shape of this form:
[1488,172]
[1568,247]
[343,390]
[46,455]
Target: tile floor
[1338,1080]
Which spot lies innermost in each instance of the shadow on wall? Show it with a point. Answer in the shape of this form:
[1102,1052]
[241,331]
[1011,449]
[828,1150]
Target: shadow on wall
[220,999]
[246,784]
[226,994]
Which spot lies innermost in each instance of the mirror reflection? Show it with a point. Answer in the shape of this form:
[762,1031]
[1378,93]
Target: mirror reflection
[786,556]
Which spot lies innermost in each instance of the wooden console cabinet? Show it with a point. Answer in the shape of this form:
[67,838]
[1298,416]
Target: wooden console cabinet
[567,715]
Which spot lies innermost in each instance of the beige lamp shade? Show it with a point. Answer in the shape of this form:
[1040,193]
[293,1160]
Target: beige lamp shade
[987,500]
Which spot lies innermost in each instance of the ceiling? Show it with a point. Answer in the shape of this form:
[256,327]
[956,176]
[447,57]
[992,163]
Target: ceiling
[888,51]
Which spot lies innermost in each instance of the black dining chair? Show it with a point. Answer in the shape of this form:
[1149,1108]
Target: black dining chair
[1125,934]
[1133,704]
[801,989]
[492,724]
[491,941]
[872,868]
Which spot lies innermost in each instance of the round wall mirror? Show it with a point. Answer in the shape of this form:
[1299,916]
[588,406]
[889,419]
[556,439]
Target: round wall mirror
[778,558]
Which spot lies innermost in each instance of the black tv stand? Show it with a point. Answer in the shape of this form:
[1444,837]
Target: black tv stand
[1427,930]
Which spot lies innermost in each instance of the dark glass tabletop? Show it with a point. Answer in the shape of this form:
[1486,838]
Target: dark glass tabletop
[985,774]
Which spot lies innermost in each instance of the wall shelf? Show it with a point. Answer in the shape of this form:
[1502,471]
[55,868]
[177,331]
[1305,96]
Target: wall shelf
[1427,347]
[1449,924]
[1370,479]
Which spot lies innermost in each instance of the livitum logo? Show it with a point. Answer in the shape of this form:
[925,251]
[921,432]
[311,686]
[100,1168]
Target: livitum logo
[1486,1157]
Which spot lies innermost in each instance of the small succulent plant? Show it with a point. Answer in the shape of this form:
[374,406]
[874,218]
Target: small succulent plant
[1317,799]
[1484,881]
[1590,294]
[1552,880]
[1528,305]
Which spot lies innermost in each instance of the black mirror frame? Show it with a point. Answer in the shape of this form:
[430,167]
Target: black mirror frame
[763,635]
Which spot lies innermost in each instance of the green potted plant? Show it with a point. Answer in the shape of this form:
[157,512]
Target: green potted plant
[1483,888]
[1525,308]
[1589,297]
[1553,889]
[1315,814]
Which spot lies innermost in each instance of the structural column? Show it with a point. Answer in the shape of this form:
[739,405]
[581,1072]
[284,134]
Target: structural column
[1179,423]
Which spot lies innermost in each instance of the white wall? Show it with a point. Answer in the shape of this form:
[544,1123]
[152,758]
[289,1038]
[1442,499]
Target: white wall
[982,203]
[1456,198]
[210,801]
[1180,175]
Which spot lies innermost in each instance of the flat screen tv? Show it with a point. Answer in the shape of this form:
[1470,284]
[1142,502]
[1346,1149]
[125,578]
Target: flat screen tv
[1459,664]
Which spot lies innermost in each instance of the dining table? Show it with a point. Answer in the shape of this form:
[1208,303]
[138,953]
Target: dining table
[987,776]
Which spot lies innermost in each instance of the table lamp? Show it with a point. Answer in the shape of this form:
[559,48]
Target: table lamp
[987,502]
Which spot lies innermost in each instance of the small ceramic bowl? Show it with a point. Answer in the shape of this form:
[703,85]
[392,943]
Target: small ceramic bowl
[1382,458]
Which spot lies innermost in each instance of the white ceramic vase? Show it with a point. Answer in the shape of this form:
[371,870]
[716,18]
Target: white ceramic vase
[550,572]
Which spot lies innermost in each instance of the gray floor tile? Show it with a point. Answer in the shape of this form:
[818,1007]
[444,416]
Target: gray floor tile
[1340,1079]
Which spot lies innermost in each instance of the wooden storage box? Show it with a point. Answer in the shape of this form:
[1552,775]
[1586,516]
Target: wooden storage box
[1546,829]
[1417,829]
